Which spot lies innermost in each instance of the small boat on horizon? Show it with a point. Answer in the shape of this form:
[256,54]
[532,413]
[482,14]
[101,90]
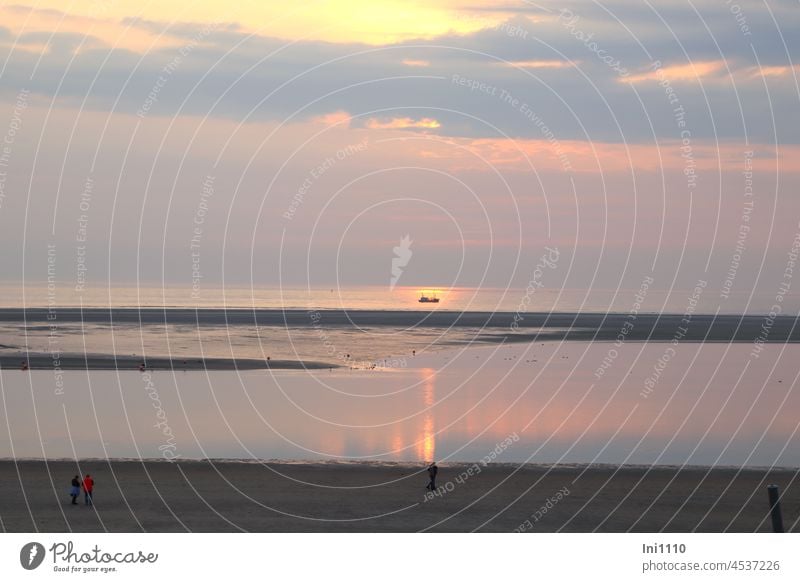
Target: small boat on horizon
[428,299]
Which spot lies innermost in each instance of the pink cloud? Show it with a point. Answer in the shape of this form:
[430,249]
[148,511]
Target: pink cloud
[334,118]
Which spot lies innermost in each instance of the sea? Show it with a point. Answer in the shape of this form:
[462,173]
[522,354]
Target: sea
[399,394]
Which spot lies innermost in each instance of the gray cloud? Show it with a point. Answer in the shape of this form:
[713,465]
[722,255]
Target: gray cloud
[229,73]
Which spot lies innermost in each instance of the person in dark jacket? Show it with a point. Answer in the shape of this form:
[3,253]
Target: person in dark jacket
[432,471]
[76,490]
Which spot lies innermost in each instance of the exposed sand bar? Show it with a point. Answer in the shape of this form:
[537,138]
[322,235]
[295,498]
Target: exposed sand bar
[37,361]
[229,496]
[549,326]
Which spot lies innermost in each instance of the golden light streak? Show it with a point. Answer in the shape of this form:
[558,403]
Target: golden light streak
[416,63]
[538,64]
[426,449]
[772,71]
[688,72]
[403,123]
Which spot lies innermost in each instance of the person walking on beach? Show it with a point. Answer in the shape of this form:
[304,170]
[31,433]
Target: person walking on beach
[76,490]
[432,471]
[88,489]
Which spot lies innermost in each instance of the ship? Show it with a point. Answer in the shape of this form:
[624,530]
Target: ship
[423,298]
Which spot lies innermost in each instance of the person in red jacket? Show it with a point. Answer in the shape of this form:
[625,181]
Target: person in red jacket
[88,489]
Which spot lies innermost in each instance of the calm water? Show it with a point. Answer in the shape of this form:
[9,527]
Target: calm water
[711,404]
[703,404]
[382,297]
[306,342]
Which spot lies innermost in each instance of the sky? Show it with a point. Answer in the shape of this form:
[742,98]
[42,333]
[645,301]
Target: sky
[271,143]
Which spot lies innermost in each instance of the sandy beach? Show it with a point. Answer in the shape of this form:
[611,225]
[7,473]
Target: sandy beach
[205,496]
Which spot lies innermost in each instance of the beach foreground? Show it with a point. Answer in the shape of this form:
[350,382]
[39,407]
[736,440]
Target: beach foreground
[205,496]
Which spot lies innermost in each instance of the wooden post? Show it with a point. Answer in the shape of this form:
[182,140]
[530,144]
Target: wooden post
[775,508]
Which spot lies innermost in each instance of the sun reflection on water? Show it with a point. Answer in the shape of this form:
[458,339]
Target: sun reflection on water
[426,449]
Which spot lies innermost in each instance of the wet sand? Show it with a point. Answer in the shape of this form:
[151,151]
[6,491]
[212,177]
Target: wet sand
[203,496]
[526,326]
[473,327]
[37,361]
